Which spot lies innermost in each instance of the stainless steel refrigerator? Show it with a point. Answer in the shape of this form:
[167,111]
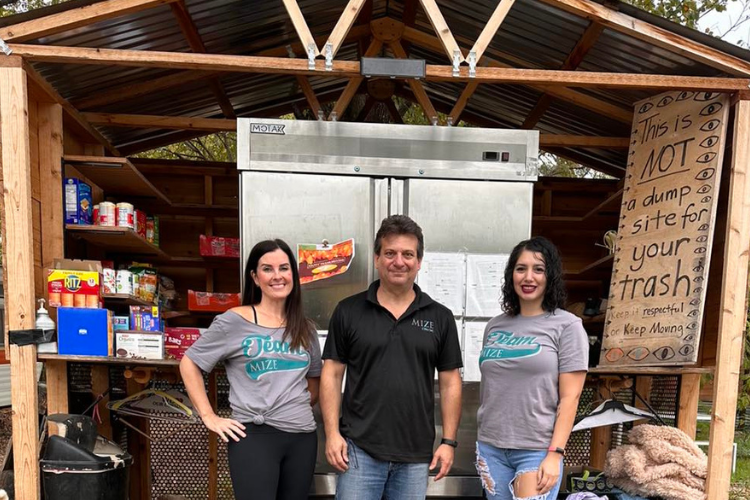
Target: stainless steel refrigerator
[320,183]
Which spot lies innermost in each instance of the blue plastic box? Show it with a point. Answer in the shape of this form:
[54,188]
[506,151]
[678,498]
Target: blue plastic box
[78,202]
[82,332]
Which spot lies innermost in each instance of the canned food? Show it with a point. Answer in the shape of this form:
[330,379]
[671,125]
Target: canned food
[95,214]
[124,282]
[125,215]
[109,280]
[140,223]
[150,229]
[107,214]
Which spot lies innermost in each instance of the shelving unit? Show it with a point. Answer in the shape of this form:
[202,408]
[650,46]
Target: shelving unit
[125,299]
[598,265]
[116,176]
[117,239]
[108,360]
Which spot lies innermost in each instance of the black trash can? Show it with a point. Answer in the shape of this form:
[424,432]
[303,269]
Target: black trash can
[69,470]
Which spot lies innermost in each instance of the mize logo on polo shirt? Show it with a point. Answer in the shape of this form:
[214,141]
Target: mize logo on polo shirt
[424,325]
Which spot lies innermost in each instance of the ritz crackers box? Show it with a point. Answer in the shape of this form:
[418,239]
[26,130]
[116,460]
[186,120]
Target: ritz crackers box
[74,283]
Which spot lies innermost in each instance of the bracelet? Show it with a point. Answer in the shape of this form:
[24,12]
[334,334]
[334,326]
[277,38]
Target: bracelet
[449,442]
[555,449]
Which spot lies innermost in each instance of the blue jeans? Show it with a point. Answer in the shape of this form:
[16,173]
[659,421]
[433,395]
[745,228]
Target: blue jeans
[499,467]
[368,478]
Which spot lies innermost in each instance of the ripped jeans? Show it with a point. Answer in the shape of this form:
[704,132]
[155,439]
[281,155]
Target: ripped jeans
[499,467]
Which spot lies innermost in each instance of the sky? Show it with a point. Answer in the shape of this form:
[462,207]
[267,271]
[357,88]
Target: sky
[720,22]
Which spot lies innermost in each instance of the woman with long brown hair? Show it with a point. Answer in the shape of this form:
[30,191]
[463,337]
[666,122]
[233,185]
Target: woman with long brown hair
[272,359]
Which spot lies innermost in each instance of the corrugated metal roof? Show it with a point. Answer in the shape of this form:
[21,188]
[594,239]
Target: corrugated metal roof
[534,35]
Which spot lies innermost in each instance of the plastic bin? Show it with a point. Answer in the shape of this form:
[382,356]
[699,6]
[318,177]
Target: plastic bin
[70,471]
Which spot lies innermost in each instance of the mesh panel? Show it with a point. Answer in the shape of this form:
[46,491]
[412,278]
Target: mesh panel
[577,451]
[224,481]
[664,395]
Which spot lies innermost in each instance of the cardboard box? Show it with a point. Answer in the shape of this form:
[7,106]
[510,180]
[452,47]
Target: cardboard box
[74,283]
[78,202]
[145,345]
[83,332]
[216,246]
[145,319]
[178,340]
[212,302]
[585,479]
[120,323]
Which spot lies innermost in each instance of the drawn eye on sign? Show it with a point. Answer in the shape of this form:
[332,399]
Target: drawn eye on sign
[692,326]
[638,353]
[704,189]
[706,96]
[697,290]
[614,354]
[711,125]
[709,141]
[698,269]
[645,108]
[706,157]
[698,279]
[705,199]
[685,95]
[700,250]
[686,350]
[705,174]
[703,227]
[694,313]
[689,338]
[701,239]
[711,109]
[664,353]
[665,101]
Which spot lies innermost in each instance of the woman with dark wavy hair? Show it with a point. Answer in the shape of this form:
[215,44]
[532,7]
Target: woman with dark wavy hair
[272,359]
[533,362]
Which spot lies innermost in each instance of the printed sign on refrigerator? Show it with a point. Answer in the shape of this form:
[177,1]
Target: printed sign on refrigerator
[321,261]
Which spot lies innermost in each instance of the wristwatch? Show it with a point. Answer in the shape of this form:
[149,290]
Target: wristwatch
[555,449]
[449,442]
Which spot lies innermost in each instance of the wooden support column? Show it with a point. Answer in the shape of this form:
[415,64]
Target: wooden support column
[601,440]
[140,449]
[99,384]
[19,271]
[733,311]
[687,414]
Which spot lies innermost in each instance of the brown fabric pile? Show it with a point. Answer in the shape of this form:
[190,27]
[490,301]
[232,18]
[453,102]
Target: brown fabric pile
[659,461]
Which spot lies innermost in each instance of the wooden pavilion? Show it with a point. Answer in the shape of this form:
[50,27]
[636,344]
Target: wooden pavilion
[98,81]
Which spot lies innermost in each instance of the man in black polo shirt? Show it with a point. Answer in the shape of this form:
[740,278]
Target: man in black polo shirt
[390,340]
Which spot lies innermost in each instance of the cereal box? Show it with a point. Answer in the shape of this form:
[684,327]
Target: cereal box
[78,203]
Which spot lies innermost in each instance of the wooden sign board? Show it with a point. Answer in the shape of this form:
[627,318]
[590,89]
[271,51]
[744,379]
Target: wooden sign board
[666,226]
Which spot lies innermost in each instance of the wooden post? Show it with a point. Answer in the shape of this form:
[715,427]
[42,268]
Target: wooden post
[140,448]
[687,414]
[601,440]
[733,312]
[18,258]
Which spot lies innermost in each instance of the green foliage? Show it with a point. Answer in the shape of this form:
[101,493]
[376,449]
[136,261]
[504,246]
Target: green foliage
[685,12]
[221,146]
[16,7]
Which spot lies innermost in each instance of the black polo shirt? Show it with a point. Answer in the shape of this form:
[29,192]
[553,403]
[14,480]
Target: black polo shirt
[388,406]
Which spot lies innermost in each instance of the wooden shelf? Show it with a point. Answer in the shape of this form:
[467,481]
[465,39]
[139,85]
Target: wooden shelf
[183,314]
[649,370]
[126,299]
[117,239]
[116,176]
[608,203]
[600,264]
[108,360]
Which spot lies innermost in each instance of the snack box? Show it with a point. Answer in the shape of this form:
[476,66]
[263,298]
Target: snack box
[217,246]
[78,202]
[74,283]
[83,332]
[145,345]
[145,319]
[120,323]
[212,302]
[177,340]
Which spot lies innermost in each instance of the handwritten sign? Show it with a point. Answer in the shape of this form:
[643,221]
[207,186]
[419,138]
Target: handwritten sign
[665,230]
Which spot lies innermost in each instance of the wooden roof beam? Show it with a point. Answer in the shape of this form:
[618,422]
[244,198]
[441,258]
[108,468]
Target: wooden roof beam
[575,58]
[580,141]
[621,114]
[416,87]
[300,26]
[463,99]
[312,99]
[655,35]
[343,25]
[193,37]
[162,122]
[450,46]
[490,29]
[350,69]
[354,83]
[33,75]
[122,93]
[75,18]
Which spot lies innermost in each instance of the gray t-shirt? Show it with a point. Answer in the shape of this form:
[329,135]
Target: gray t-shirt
[520,362]
[267,379]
